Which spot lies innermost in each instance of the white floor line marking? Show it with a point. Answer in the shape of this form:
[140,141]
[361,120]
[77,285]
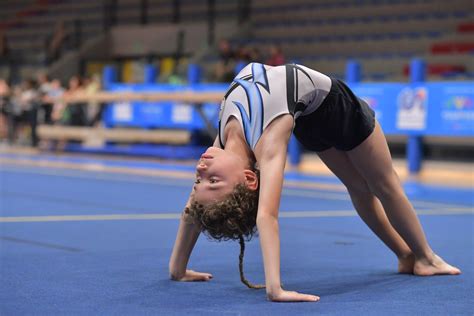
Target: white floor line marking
[173,216]
[75,218]
[436,204]
[447,211]
[316,194]
[108,172]
[346,197]
[107,176]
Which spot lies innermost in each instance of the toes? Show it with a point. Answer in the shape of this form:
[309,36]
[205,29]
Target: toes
[456,271]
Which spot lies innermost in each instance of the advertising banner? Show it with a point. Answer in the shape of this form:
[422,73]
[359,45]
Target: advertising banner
[432,108]
[451,109]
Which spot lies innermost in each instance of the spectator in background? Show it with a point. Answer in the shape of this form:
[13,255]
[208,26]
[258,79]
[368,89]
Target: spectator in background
[53,97]
[72,114]
[255,55]
[226,54]
[224,70]
[243,57]
[4,109]
[243,54]
[46,107]
[4,48]
[15,114]
[93,109]
[276,57]
[29,100]
[55,42]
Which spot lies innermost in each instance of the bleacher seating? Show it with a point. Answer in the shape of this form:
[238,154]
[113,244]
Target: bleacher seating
[382,35]
[161,11]
[323,34]
[27,36]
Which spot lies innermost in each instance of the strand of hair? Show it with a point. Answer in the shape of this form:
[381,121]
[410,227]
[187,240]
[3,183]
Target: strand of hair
[241,267]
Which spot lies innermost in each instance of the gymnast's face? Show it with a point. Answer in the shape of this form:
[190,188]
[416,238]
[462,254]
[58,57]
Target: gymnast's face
[217,173]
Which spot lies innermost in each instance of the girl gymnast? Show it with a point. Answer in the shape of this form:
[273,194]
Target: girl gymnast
[239,179]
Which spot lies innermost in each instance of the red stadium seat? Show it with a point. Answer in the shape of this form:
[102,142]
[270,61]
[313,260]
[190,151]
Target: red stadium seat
[452,47]
[439,69]
[466,27]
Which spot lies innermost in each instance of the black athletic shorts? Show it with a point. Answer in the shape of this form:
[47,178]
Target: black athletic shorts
[342,121]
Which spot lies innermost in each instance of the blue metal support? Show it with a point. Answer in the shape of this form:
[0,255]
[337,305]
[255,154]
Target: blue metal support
[414,149]
[294,151]
[194,73]
[109,75]
[353,72]
[240,65]
[150,73]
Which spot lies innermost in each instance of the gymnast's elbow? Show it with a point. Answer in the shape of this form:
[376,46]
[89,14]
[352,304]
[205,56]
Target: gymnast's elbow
[175,274]
[265,218]
[175,270]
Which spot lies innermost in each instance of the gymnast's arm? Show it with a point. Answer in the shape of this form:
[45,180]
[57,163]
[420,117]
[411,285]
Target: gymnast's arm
[272,158]
[271,181]
[188,234]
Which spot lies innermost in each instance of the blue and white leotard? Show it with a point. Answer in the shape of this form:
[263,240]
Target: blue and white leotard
[260,93]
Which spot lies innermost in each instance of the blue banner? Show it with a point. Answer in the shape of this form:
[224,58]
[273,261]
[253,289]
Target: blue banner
[431,108]
[382,98]
[172,115]
[451,109]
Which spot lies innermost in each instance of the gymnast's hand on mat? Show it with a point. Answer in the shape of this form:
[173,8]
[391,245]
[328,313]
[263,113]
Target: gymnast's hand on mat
[291,296]
[193,276]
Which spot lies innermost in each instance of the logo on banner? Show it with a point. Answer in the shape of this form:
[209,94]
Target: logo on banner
[182,113]
[459,103]
[458,113]
[412,104]
[122,111]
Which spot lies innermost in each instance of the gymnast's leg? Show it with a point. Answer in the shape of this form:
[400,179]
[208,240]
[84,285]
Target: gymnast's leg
[373,161]
[368,206]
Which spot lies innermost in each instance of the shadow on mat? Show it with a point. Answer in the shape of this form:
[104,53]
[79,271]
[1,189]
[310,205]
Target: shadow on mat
[165,293]
[346,284]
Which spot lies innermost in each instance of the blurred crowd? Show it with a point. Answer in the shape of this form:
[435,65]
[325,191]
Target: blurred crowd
[231,60]
[39,101]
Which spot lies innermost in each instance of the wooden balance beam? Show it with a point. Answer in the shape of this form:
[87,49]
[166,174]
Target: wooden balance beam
[185,97]
[97,136]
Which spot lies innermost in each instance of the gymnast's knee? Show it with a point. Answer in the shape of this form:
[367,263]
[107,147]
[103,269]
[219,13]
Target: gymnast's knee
[386,186]
[358,190]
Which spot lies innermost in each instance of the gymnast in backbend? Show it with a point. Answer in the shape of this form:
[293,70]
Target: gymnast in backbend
[239,179]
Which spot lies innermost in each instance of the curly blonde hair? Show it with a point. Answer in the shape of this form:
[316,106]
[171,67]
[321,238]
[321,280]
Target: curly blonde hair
[233,218]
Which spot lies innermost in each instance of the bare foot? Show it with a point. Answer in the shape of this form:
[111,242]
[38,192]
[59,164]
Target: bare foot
[424,267]
[406,263]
